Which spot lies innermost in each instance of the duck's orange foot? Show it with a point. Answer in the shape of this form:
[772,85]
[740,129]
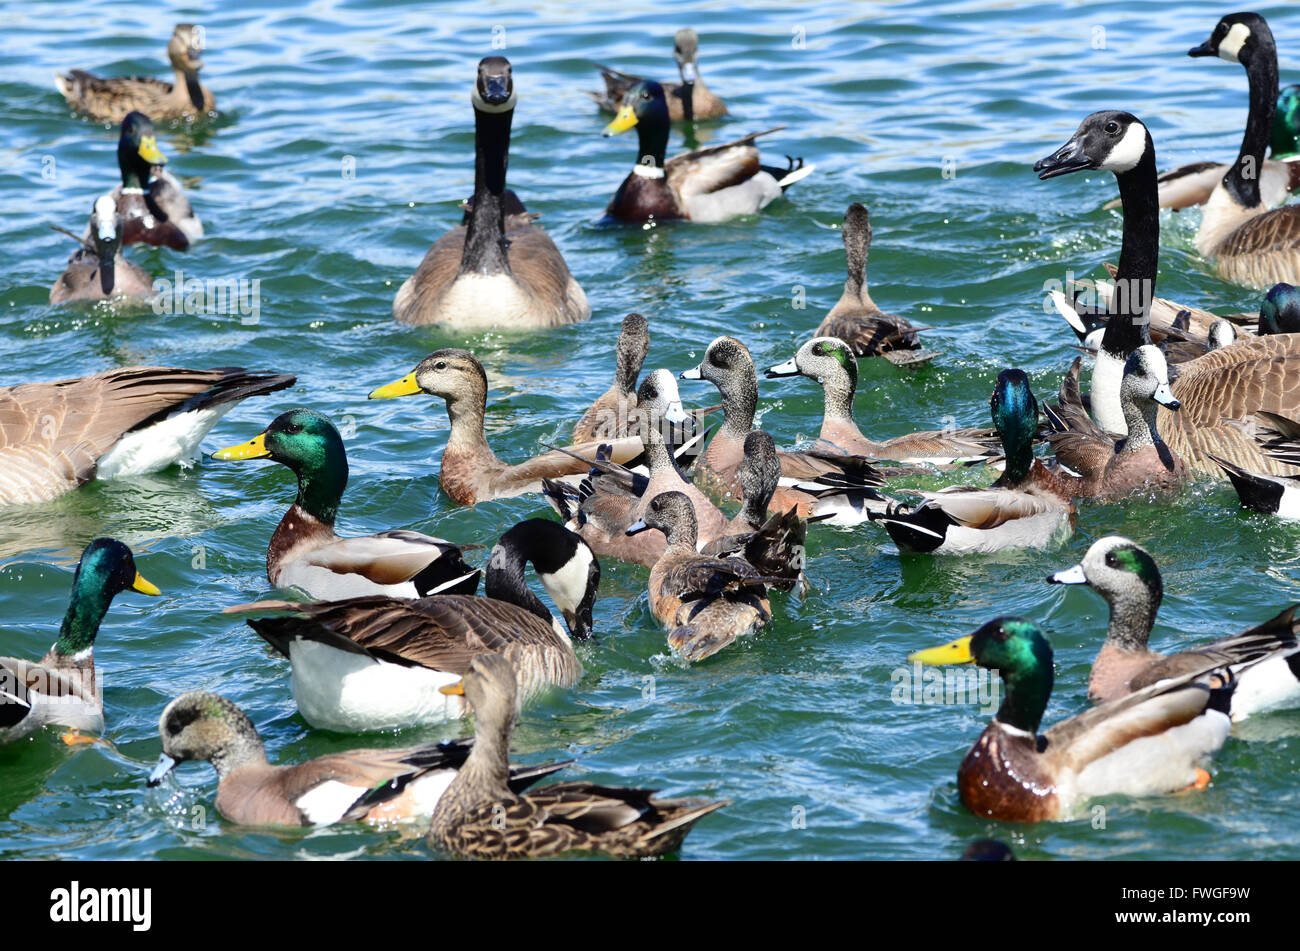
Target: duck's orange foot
[1202,780]
[76,738]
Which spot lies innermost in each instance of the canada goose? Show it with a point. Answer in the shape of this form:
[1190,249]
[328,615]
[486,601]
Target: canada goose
[492,272]
[688,100]
[1249,244]
[709,185]
[480,817]
[1215,390]
[470,472]
[61,688]
[377,786]
[1150,742]
[307,553]
[1126,576]
[855,318]
[1027,507]
[57,436]
[151,201]
[110,99]
[97,270]
[830,361]
[1277,438]
[375,663]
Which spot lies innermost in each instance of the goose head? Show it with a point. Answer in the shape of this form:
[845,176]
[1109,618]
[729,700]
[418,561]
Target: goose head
[1235,38]
[494,87]
[1109,140]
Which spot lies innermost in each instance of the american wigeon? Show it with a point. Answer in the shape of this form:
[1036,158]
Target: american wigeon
[688,100]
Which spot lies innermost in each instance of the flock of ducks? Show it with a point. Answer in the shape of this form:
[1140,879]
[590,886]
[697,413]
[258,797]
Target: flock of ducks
[388,630]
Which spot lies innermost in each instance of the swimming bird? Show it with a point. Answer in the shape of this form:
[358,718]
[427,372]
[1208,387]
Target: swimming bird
[608,417]
[497,270]
[1279,313]
[688,100]
[709,185]
[306,552]
[479,816]
[62,688]
[375,786]
[97,270]
[150,200]
[109,99]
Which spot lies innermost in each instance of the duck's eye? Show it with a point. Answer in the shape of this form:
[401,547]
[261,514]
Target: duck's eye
[1111,560]
[440,365]
[1112,128]
[292,429]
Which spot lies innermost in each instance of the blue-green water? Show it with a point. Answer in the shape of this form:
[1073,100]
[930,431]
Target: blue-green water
[798,722]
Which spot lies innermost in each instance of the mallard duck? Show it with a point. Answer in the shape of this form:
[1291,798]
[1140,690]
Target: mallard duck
[61,688]
[376,786]
[607,418]
[307,553]
[57,436]
[1027,507]
[470,472]
[110,99]
[150,200]
[688,100]
[1279,313]
[709,185]
[830,361]
[855,318]
[480,817]
[703,601]
[1151,742]
[97,270]
[375,663]
[494,271]
[1126,576]
[1251,376]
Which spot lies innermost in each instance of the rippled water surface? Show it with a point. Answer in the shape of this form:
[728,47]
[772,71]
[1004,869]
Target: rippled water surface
[796,723]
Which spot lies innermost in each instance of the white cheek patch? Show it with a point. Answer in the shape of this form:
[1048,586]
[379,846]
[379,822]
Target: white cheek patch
[1128,151]
[482,105]
[1230,46]
[568,586]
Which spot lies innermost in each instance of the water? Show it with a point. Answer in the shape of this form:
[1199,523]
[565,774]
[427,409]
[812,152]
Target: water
[797,723]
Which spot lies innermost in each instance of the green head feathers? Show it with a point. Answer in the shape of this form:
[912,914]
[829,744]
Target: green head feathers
[1018,649]
[107,568]
[1015,417]
[1286,123]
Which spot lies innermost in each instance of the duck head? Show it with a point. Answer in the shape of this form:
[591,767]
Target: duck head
[645,108]
[106,569]
[1280,311]
[137,150]
[1015,417]
[205,727]
[671,513]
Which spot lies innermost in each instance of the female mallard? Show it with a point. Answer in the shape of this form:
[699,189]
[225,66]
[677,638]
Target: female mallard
[710,185]
[57,436]
[855,318]
[470,472]
[61,689]
[97,270]
[375,663]
[307,553]
[1027,507]
[479,816]
[151,201]
[493,271]
[110,99]
[830,361]
[377,786]
[688,100]
[705,602]
[1126,576]
[1148,743]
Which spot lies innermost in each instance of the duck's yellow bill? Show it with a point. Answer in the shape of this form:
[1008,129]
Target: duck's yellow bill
[255,448]
[624,120]
[454,690]
[149,151]
[406,386]
[958,652]
[144,585]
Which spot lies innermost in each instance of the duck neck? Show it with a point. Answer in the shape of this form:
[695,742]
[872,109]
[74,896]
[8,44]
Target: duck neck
[626,367]
[504,580]
[837,395]
[86,609]
[1242,180]
[321,483]
[1028,686]
[658,457]
[244,749]
[739,401]
[135,173]
[485,236]
[1140,418]
[652,143]
[467,437]
[1133,615]
[683,534]
[188,79]
[486,771]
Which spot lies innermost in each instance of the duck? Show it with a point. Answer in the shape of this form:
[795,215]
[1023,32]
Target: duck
[1125,575]
[110,99]
[376,663]
[608,417]
[1027,507]
[132,421]
[62,688]
[855,318]
[830,361]
[1249,243]
[704,602]
[151,200]
[706,186]
[1215,390]
[306,552]
[380,787]
[479,816]
[687,101]
[497,270]
[97,270]
[470,472]
[1150,742]
[1279,312]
